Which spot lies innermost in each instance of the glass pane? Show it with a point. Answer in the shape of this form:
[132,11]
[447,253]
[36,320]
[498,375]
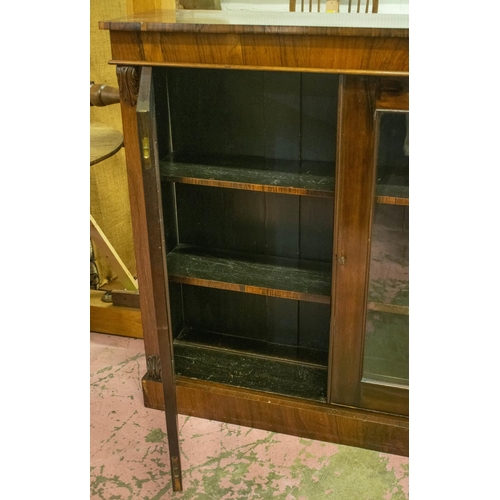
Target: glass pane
[387,325]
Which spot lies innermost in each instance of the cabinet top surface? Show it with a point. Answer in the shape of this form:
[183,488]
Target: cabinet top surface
[216,21]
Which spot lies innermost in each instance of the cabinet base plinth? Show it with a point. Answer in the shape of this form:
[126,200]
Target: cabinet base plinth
[321,421]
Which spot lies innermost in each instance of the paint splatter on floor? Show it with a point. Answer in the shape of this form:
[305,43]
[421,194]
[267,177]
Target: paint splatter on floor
[129,454]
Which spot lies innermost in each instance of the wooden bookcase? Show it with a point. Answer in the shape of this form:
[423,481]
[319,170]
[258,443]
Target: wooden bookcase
[268,181]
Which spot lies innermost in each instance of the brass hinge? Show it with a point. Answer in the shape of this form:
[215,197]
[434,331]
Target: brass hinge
[145,148]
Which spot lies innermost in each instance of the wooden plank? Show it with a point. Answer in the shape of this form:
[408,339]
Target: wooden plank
[308,419]
[271,276]
[107,318]
[125,298]
[252,179]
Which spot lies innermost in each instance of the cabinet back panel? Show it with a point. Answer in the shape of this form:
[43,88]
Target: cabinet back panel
[314,319]
[319,117]
[271,116]
[274,115]
[217,112]
[281,115]
[274,320]
[252,222]
[316,228]
[220,218]
[393,129]
[219,311]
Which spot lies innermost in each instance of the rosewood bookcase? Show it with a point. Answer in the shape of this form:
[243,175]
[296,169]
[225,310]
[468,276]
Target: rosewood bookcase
[267,160]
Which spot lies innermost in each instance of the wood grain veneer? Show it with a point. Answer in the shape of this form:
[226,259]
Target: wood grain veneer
[365,57]
[278,52]
[332,423]
[266,41]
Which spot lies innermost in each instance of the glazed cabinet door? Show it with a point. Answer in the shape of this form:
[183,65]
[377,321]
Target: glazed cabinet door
[369,355]
[148,143]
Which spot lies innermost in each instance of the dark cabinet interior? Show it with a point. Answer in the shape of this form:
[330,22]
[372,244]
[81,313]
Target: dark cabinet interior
[247,167]
[247,163]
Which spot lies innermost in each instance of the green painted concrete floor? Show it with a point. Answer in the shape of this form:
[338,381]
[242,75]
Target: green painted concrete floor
[129,453]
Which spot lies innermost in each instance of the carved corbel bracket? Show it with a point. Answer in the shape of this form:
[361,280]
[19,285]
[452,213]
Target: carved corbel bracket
[128,82]
[153,367]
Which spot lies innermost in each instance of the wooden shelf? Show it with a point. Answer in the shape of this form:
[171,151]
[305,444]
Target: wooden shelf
[389,308]
[389,296]
[392,187]
[392,194]
[260,348]
[271,374]
[261,275]
[252,174]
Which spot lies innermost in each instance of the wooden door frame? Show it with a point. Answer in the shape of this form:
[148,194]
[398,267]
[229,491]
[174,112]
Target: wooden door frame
[361,98]
[147,138]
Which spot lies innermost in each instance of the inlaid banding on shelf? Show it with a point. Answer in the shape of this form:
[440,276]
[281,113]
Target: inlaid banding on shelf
[260,275]
[389,308]
[392,195]
[283,177]
[307,179]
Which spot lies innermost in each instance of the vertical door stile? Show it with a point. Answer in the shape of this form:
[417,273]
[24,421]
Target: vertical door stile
[353,192]
[148,145]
